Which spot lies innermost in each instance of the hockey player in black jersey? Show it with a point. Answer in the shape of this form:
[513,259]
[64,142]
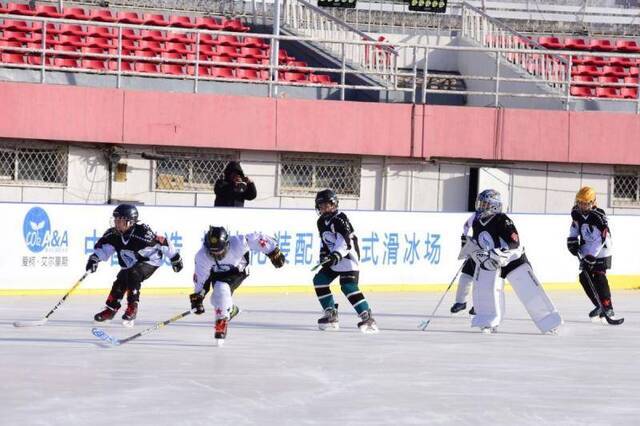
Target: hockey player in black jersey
[498,251]
[590,239]
[139,252]
[339,256]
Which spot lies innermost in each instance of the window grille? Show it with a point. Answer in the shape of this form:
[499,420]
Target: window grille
[626,187]
[190,171]
[306,175]
[29,163]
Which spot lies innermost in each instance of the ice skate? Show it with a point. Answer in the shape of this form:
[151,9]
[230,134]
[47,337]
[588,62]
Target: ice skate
[329,320]
[489,330]
[595,315]
[234,312]
[221,331]
[472,311]
[457,307]
[106,315]
[368,324]
[128,319]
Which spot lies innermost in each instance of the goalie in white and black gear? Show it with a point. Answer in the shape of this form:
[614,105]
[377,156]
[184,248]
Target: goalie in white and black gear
[499,253]
[223,264]
[140,252]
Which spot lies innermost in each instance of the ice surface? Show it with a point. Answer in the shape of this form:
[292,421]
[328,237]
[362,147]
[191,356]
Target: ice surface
[276,368]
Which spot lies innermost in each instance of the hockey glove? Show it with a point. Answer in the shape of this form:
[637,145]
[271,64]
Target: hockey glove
[499,257]
[463,240]
[277,258]
[573,245]
[196,303]
[176,263]
[588,262]
[92,263]
[333,259]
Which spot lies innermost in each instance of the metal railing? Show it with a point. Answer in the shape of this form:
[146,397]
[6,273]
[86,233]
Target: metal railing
[411,85]
[308,20]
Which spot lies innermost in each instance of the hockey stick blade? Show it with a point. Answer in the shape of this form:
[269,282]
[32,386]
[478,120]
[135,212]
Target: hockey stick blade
[34,323]
[423,325]
[612,321]
[103,335]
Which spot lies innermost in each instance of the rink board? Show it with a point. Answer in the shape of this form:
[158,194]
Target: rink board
[47,247]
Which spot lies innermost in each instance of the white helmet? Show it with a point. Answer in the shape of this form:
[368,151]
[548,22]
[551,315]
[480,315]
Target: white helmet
[488,203]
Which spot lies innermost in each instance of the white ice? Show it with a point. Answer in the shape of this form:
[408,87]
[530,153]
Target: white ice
[276,368]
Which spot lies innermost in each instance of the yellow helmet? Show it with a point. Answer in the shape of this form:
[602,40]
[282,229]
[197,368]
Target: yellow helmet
[586,195]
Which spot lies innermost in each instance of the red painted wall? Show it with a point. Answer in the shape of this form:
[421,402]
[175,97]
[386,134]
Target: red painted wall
[85,114]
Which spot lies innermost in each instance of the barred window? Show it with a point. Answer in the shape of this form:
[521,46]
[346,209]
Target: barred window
[189,171]
[307,174]
[31,163]
[626,187]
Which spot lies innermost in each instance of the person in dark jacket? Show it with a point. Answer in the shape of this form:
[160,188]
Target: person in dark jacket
[234,188]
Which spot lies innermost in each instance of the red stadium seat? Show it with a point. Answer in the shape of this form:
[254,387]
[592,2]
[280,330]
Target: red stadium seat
[16,25]
[582,79]
[77,13]
[598,61]
[35,57]
[217,58]
[129,44]
[629,92]
[16,36]
[171,69]
[20,9]
[203,70]
[234,25]
[101,15]
[146,67]
[208,23]
[581,91]
[177,37]
[324,79]
[129,18]
[93,64]
[631,81]
[253,52]
[248,60]
[206,49]
[634,71]
[103,32]
[130,34]
[51,28]
[71,40]
[228,51]
[208,39]
[614,71]
[254,42]
[142,54]
[181,22]
[154,35]
[88,52]
[104,43]
[552,43]
[629,46]
[622,62]
[69,29]
[7,46]
[607,92]
[575,44]
[601,45]
[178,47]
[65,62]
[125,66]
[47,11]
[64,50]
[12,58]
[295,76]
[247,74]
[229,40]
[222,72]
[154,19]
[586,70]
[154,46]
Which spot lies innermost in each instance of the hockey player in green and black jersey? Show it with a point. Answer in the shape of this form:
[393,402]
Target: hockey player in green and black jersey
[339,256]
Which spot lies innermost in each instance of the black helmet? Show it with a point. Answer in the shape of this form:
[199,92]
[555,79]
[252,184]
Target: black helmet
[216,241]
[326,196]
[126,211]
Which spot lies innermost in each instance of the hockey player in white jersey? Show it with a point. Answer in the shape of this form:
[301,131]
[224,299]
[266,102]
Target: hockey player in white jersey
[499,253]
[466,274]
[222,263]
[140,252]
[590,239]
[339,256]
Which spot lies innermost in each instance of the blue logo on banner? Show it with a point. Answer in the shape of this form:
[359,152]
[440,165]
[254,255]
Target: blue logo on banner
[37,231]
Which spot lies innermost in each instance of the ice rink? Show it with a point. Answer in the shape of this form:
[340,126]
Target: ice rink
[276,368]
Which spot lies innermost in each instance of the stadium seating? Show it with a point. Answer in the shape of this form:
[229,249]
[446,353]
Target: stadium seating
[77,44]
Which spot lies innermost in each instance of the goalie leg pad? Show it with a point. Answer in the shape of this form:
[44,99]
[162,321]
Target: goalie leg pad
[464,287]
[488,299]
[535,300]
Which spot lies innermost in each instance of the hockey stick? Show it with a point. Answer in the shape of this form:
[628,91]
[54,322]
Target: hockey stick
[425,323]
[609,320]
[44,320]
[324,262]
[103,335]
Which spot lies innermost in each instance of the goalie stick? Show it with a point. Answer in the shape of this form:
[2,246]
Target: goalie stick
[44,320]
[103,335]
[425,323]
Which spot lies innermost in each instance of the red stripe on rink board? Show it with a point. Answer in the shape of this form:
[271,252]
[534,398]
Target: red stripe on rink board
[87,114]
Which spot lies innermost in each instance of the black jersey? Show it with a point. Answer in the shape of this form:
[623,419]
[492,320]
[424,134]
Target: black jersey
[138,244]
[592,231]
[498,231]
[337,234]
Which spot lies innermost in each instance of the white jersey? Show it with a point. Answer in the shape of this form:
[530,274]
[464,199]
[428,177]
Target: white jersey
[236,257]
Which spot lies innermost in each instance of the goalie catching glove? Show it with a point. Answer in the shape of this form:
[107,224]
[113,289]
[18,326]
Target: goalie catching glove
[196,303]
[277,258]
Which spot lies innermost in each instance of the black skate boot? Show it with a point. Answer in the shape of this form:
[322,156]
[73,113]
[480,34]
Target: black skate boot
[130,314]
[472,311]
[106,315]
[221,331]
[595,314]
[368,324]
[457,307]
[329,320]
